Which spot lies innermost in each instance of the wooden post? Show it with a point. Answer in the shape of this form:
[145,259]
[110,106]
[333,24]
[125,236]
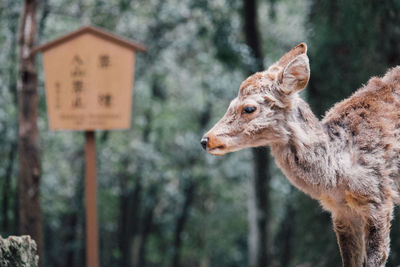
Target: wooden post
[92,252]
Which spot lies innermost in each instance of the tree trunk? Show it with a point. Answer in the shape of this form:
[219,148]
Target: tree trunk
[145,232]
[284,239]
[7,185]
[258,232]
[130,204]
[180,223]
[288,228]
[18,251]
[124,237]
[8,192]
[251,33]
[70,223]
[29,162]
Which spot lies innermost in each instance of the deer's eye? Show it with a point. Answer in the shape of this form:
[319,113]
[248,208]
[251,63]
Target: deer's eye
[248,109]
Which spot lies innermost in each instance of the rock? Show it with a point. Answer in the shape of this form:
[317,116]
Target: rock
[18,251]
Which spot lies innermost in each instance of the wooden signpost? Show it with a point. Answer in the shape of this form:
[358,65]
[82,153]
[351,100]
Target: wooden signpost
[89,78]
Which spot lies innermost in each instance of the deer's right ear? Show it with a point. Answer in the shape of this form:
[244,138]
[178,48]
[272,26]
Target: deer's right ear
[296,74]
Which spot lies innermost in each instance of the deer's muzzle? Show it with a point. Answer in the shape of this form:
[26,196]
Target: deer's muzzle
[212,144]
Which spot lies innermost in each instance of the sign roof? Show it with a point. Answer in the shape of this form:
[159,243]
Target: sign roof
[95,31]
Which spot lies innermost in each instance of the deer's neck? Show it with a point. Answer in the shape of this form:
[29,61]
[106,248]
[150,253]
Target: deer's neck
[305,158]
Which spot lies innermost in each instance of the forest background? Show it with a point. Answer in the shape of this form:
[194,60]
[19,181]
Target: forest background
[163,201]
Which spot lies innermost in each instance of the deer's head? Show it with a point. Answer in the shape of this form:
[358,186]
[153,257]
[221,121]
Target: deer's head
[256,117]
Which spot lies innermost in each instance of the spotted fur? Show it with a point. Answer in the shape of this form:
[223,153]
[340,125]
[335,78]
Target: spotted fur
[349,161]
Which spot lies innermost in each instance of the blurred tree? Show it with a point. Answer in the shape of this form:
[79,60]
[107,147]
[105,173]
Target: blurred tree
[9,213]
[258,203]
[284,238]
[30,221]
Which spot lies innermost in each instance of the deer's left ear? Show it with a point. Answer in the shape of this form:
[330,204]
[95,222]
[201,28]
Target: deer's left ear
[296,74]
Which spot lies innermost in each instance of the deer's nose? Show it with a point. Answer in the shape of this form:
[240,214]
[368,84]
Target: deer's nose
[204,142]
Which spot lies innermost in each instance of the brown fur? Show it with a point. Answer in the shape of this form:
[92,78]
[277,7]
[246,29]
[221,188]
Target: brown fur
[349,161]
[298,50]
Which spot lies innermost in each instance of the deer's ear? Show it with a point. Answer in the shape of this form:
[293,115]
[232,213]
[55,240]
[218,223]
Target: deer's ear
[296,74]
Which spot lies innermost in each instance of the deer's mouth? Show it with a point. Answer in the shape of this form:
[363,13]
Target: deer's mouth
[218,151]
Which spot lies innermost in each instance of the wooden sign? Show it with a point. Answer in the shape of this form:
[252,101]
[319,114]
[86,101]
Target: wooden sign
[89,79]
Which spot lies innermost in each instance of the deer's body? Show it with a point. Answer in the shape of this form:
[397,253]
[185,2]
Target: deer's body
[349,161]
[354,150]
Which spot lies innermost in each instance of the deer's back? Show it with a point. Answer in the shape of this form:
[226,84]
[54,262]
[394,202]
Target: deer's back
[366,127]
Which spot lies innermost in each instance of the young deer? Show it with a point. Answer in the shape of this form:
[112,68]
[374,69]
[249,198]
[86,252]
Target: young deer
[349,161]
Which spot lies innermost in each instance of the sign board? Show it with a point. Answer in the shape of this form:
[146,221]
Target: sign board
[89,79]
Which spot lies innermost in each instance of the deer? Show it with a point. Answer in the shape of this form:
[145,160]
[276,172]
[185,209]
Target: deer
[349,161]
